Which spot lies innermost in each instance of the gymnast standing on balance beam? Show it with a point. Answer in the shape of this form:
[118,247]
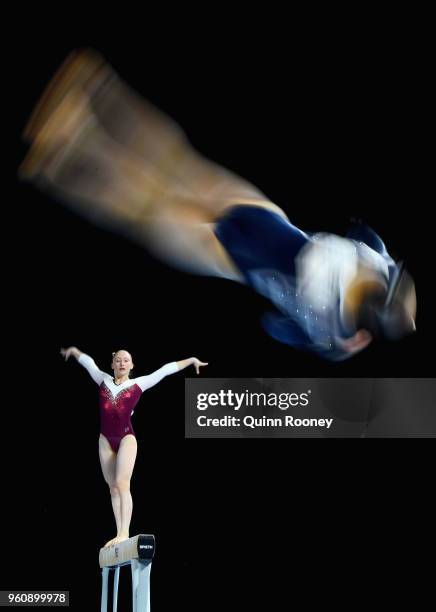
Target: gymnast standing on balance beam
[118,396]
[121,162]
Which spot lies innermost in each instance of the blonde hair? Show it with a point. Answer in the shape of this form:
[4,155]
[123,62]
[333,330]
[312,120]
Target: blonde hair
[115,352]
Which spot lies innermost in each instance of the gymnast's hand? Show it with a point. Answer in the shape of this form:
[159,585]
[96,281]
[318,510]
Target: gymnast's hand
[198,364]
[184,363]
[72,350]
[356,343]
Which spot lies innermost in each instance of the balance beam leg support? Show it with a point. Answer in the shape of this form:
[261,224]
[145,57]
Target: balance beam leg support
[141,585]
[115,592]
[104,588]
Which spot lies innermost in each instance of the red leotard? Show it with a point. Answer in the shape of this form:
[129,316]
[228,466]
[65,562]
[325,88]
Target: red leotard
[117,402]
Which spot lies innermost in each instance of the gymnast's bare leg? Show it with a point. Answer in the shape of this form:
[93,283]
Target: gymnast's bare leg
[121,162]
[117,471]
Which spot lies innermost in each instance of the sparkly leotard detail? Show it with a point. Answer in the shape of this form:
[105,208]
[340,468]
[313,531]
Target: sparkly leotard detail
[117,402]
[303,274]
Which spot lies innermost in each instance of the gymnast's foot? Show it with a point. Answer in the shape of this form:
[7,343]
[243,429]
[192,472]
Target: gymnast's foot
[119,538]
[59,132]
[84,69]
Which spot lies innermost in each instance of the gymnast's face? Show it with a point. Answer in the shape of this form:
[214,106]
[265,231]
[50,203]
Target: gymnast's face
[122,364]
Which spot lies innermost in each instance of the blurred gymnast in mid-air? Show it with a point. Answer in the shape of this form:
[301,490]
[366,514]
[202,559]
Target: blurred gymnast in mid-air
[118,160]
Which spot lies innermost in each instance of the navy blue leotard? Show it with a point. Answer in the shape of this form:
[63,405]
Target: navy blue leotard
[303,274]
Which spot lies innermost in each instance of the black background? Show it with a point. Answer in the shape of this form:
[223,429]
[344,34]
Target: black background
[331,125]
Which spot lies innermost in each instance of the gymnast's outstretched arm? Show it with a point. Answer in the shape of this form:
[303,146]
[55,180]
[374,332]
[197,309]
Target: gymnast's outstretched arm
[145,382]
[86,361]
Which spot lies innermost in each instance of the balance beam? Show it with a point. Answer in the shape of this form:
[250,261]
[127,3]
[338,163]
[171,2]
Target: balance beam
[138,552]
[139,547]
